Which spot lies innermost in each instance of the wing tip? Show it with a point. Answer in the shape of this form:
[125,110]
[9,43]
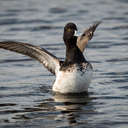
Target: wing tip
[90,31]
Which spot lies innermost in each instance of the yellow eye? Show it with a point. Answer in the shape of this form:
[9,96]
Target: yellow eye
[69,30]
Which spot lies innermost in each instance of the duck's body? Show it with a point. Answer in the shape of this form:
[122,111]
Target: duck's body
[75,79]
[72,75]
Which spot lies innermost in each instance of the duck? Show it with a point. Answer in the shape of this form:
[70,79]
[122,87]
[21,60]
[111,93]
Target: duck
[74,74]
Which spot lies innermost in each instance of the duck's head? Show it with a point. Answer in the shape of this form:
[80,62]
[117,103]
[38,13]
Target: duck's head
[69,31]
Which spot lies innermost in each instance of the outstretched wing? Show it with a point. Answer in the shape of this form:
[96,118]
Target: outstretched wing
[49,61]
[87,35]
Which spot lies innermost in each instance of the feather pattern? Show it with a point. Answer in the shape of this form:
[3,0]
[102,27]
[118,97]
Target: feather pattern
[49,61]
[87,35]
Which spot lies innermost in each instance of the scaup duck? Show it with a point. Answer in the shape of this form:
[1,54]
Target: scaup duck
[73,75]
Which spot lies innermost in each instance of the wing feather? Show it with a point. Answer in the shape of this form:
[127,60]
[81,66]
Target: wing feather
[49,61]
[87,35]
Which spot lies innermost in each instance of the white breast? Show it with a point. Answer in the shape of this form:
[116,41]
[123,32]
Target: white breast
[73,81]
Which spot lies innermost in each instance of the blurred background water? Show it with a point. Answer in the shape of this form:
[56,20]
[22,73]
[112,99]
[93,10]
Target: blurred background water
[26,99]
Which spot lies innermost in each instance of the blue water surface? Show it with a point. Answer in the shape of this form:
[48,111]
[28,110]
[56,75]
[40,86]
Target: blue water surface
[26,98]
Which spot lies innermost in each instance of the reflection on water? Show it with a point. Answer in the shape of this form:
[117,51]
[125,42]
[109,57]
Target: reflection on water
[72,105]
[68,107]
[26,98]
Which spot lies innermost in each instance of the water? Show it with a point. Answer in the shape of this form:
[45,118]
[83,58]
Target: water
[26,99]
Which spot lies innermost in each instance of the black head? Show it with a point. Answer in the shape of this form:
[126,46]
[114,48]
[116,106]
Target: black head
[73,54]
[69,31]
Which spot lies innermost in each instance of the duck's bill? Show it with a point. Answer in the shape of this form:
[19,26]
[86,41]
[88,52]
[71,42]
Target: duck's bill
[77,33]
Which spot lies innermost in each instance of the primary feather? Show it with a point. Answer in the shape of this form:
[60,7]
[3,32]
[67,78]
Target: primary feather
[43,56]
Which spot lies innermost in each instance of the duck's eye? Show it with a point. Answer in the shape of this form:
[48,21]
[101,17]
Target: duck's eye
[69,30]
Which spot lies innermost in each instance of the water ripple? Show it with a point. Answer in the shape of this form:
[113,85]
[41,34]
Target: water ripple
[26,98]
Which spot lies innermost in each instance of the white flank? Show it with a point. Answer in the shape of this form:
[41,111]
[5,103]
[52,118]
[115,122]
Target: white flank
[74,81]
